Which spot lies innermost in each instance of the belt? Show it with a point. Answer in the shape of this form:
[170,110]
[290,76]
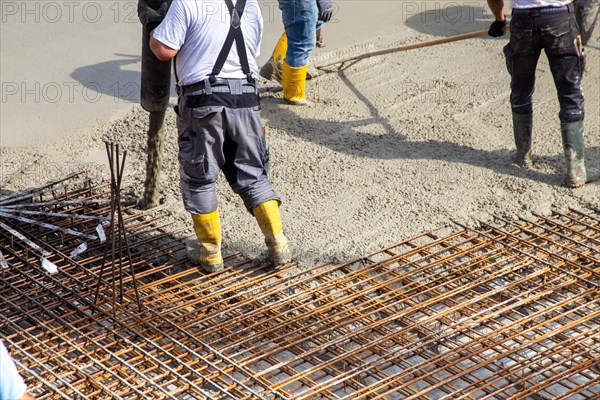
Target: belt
[220,85]
[544,10]
[244,100]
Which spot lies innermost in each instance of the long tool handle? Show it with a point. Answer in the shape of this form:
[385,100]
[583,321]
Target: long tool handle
[449,39]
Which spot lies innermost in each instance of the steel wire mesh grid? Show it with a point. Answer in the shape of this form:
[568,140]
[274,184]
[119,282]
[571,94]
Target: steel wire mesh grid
[507,310]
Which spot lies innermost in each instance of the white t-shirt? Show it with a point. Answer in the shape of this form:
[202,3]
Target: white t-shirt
[12,385]
[197,30]
[539,3]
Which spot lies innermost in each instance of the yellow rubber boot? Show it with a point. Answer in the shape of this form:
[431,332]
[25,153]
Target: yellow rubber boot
[272,69]
[208,232]
[268,218]
[294,84]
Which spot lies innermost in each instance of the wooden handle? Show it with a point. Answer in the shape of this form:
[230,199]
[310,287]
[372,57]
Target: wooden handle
[410,47]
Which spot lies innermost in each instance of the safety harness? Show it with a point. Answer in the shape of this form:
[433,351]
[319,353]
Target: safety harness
[234,35]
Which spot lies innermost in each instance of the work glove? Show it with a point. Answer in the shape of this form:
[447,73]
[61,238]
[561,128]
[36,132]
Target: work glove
[150,17]
[325,10]
[497,28]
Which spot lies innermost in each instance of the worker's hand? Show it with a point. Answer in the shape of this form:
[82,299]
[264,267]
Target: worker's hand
[150,17]
[325,10]
[497,28]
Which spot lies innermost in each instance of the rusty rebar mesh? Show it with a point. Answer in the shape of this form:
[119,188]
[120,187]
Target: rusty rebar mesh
[507,310]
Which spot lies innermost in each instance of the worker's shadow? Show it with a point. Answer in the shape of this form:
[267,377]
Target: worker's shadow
[111,78]
[446,20]
[348,137]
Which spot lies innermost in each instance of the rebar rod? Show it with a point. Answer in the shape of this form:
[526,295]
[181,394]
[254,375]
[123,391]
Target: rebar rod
[508,310]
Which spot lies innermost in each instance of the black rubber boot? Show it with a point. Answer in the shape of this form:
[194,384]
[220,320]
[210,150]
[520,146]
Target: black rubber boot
[573,146]
[522,128]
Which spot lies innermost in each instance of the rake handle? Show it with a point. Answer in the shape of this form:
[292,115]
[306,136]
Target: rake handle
[434,42]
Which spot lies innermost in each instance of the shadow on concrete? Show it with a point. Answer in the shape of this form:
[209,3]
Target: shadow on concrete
[111,78]
[446,20]
[346,137]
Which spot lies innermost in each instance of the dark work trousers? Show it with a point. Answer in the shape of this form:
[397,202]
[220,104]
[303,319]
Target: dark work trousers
[222,131]
[554,30]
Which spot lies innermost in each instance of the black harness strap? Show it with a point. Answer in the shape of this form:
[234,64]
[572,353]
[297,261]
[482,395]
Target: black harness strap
[175,70]
[234,35]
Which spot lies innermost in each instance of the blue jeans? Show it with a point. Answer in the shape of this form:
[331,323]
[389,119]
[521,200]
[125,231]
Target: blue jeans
[300,20]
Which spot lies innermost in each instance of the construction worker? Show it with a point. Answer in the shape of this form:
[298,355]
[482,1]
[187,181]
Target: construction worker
[587,13]
[155,90]
[548,25]
[219,119]
[301,20]
[12,385]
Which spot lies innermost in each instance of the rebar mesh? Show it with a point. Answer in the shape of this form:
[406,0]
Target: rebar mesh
[507,310]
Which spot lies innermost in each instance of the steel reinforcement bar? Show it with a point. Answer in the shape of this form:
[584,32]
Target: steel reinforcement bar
[508,310]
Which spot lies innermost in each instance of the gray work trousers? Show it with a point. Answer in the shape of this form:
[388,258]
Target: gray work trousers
[222,131]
